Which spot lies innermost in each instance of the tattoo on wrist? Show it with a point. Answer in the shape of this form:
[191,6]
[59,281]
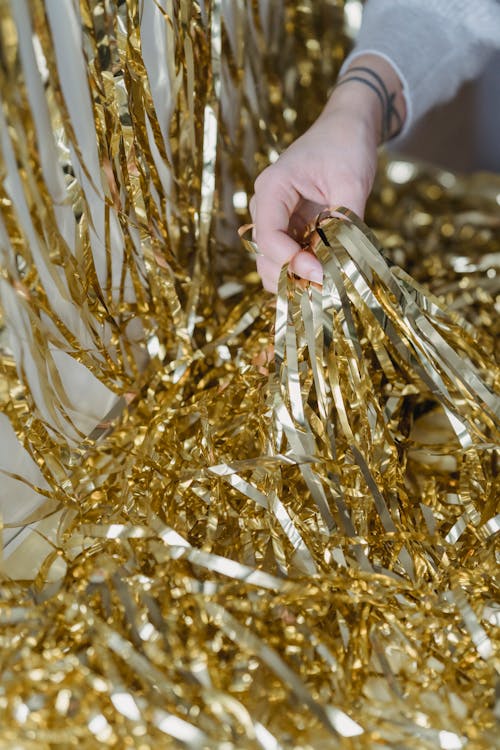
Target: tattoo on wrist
[392,122]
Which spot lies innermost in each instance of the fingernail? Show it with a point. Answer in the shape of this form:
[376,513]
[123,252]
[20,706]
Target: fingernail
[310,271]
[314,274]
[308,267]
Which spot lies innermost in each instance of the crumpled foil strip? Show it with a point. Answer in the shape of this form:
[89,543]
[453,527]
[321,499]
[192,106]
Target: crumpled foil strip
[283,532]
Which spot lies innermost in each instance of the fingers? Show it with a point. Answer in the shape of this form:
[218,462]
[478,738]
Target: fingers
[304,264]
[307,266]
[277,209]
[272,205]
[269,273]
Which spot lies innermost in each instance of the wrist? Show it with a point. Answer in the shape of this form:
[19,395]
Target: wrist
[371,91]
[362,111]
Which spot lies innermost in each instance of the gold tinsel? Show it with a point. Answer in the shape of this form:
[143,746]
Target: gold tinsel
[282,533]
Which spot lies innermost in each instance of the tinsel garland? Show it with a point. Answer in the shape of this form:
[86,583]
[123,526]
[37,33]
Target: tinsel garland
[282,533]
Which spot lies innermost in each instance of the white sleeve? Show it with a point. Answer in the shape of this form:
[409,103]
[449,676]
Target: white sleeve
[433,45]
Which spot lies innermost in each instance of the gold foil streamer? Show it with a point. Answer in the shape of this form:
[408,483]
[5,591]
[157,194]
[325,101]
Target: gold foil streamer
[282,541]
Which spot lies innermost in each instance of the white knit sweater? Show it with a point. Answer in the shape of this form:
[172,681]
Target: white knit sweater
[434,45]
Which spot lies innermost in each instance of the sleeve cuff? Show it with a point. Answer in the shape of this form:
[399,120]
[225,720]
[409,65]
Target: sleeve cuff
[432,47]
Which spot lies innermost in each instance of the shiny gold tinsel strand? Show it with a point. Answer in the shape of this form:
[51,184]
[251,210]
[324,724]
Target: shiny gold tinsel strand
[268,540]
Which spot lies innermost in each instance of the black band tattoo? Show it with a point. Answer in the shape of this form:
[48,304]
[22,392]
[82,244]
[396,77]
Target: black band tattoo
[389,111]
[389,98]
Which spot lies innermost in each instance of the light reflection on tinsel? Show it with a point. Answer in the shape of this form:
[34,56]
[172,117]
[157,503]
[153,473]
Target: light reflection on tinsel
[282,542]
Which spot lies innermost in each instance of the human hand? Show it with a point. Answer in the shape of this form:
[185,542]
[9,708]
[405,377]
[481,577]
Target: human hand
[332,164]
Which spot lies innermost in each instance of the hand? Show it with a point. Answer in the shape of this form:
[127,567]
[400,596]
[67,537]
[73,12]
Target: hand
[332,164]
